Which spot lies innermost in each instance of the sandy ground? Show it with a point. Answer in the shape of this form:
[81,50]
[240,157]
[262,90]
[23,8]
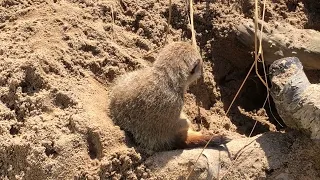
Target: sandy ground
[58,59]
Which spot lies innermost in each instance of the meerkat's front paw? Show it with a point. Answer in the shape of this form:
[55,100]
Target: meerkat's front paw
[219,139]
[225,139]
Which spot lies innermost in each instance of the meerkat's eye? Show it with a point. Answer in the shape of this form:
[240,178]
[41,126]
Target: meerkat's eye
[195,68]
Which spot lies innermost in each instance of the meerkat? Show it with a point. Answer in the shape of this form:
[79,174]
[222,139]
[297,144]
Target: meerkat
[148,102]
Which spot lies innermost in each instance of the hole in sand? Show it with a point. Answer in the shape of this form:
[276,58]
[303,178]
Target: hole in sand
[89,48]
[94,145]
[50,151]
[63,100]
[14,130]
[33,82]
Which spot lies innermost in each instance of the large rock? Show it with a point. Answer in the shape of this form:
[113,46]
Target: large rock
[271,155]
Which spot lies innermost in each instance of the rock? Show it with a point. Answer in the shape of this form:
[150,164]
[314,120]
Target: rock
[178,163]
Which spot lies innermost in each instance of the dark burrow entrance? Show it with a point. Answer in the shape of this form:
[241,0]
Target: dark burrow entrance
[252,104]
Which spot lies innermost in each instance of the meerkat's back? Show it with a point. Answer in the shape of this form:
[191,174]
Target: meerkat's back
[141,103]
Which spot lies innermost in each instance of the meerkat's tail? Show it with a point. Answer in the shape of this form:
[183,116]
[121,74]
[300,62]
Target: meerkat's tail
[192,139]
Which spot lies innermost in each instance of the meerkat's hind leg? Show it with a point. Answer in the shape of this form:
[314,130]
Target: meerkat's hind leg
[198,139]
[188,138]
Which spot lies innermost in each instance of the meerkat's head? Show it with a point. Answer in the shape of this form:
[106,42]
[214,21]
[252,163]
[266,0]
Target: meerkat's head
[181,61]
